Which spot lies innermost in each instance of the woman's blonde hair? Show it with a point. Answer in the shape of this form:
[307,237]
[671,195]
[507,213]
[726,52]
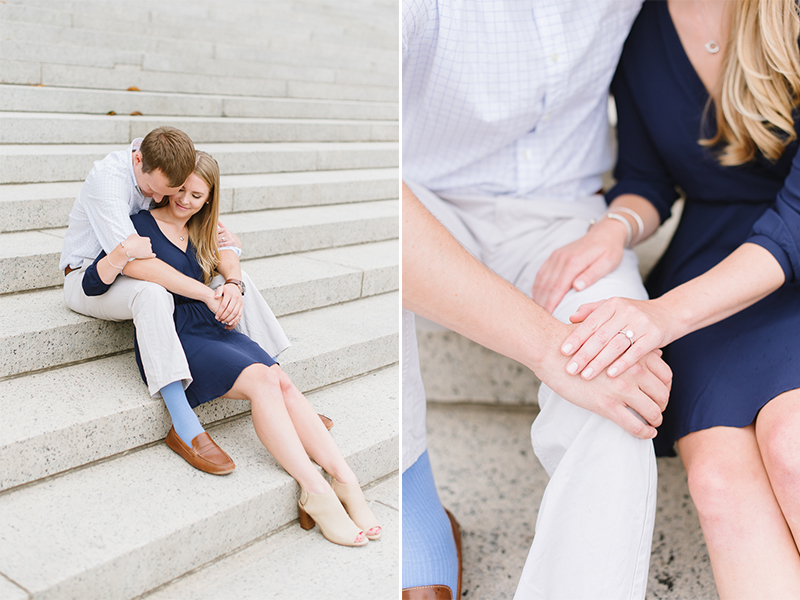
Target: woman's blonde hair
[760,82]
[203,224]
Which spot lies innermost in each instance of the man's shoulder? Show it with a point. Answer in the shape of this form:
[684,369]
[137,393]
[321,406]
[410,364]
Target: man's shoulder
[110,171]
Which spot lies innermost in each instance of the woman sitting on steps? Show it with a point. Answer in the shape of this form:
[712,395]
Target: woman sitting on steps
[182,231]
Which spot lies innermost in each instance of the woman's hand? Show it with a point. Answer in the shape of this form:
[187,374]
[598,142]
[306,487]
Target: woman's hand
[231,305]
[580,264]
[136,246]
[619,331]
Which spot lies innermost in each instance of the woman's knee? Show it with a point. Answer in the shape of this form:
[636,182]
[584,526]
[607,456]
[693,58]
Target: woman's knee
[780,447]
[717,483]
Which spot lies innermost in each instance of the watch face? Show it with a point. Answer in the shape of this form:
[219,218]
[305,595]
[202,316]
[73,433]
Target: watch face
[244,288]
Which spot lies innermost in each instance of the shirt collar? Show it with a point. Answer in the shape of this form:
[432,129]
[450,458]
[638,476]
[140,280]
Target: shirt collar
[135,145]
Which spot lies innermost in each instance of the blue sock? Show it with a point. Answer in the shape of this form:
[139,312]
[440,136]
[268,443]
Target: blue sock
[429,549]
[186,423]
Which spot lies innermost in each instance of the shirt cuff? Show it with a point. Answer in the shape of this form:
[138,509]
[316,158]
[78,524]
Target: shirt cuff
[234,248]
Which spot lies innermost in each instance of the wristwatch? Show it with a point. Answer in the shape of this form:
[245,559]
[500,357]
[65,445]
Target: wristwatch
[238,282]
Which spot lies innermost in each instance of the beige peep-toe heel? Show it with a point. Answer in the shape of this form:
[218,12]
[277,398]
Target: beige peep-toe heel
[356,506]
[327,511]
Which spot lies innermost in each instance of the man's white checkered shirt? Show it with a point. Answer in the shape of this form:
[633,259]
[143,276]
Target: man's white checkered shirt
[100,218]
[509,97]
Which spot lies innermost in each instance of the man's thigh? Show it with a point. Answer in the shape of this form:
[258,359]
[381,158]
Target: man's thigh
[115,305]
[535,230]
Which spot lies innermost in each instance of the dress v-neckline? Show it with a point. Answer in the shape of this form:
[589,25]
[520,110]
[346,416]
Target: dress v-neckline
[164,235]
[696,82]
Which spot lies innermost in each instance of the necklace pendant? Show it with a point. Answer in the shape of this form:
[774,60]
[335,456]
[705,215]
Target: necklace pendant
[712,47]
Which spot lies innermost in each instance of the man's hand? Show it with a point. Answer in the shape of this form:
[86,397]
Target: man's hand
[644,387]
[225,237]
[231,305]
[136,246]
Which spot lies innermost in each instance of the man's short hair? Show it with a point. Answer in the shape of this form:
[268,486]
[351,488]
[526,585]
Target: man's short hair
[170,151]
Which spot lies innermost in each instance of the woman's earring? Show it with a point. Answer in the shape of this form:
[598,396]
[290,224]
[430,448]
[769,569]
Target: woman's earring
[206,202]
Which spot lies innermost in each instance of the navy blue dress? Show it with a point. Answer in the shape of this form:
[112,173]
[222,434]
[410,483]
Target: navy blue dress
[216,357]
[723,374]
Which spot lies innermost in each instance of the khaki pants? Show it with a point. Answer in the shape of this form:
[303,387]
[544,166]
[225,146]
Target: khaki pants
[151,307]
[595,523]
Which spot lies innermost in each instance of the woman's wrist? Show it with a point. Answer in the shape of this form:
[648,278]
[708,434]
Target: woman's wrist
[610,229]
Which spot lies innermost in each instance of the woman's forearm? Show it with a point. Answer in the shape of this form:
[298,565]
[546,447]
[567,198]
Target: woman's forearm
[112,264]
[749,274]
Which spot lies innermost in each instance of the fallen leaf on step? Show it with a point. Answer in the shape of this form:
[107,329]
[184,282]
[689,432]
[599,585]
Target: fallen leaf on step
[136,113]
[111,112]
[133,88]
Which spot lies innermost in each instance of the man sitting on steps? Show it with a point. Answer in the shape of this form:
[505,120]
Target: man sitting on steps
[122,184]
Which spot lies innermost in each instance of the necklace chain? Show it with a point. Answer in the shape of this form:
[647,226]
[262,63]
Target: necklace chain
[711,46]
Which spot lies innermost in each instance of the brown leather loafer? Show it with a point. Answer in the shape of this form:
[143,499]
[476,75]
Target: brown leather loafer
[439,592]
[326,421]
[428,592]
[204,453]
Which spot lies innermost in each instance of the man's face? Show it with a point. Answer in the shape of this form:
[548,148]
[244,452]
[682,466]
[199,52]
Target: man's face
[154,184]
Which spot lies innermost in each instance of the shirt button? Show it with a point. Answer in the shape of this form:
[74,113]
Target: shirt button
[547,117]
[528,155]
[554,57]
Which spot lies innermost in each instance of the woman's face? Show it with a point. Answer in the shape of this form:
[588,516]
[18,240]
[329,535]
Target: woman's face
[190,198]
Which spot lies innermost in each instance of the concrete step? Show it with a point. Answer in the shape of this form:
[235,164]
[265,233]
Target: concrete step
[58,54]
[96,25]
[55,128]
[52,335]
[63,418]
[300,564]
[119,528]
[26,98]
[44,163]
[49,204]
[29,259]
[122,77]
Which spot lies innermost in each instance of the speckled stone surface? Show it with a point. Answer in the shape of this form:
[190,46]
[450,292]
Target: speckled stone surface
[313,228]
[236,129]
[9,591]
[314,188]
[488,476]
[119,528]
[379,263]
[295,564]
[36,205]
[29,259]
[67,417]
[295,283]
[455,369]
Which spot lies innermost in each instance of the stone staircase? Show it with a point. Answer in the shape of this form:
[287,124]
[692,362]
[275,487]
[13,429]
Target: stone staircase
[298,101]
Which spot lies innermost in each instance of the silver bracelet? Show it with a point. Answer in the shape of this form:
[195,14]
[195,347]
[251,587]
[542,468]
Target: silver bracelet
[637,218]
[624,221]
[113,265]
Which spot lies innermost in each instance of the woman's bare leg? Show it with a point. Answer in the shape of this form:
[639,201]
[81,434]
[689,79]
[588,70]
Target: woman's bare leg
[752,551]
[316,440]
[262,387]
[778,434]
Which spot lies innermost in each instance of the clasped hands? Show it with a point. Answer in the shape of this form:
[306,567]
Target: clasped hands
[619,333]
